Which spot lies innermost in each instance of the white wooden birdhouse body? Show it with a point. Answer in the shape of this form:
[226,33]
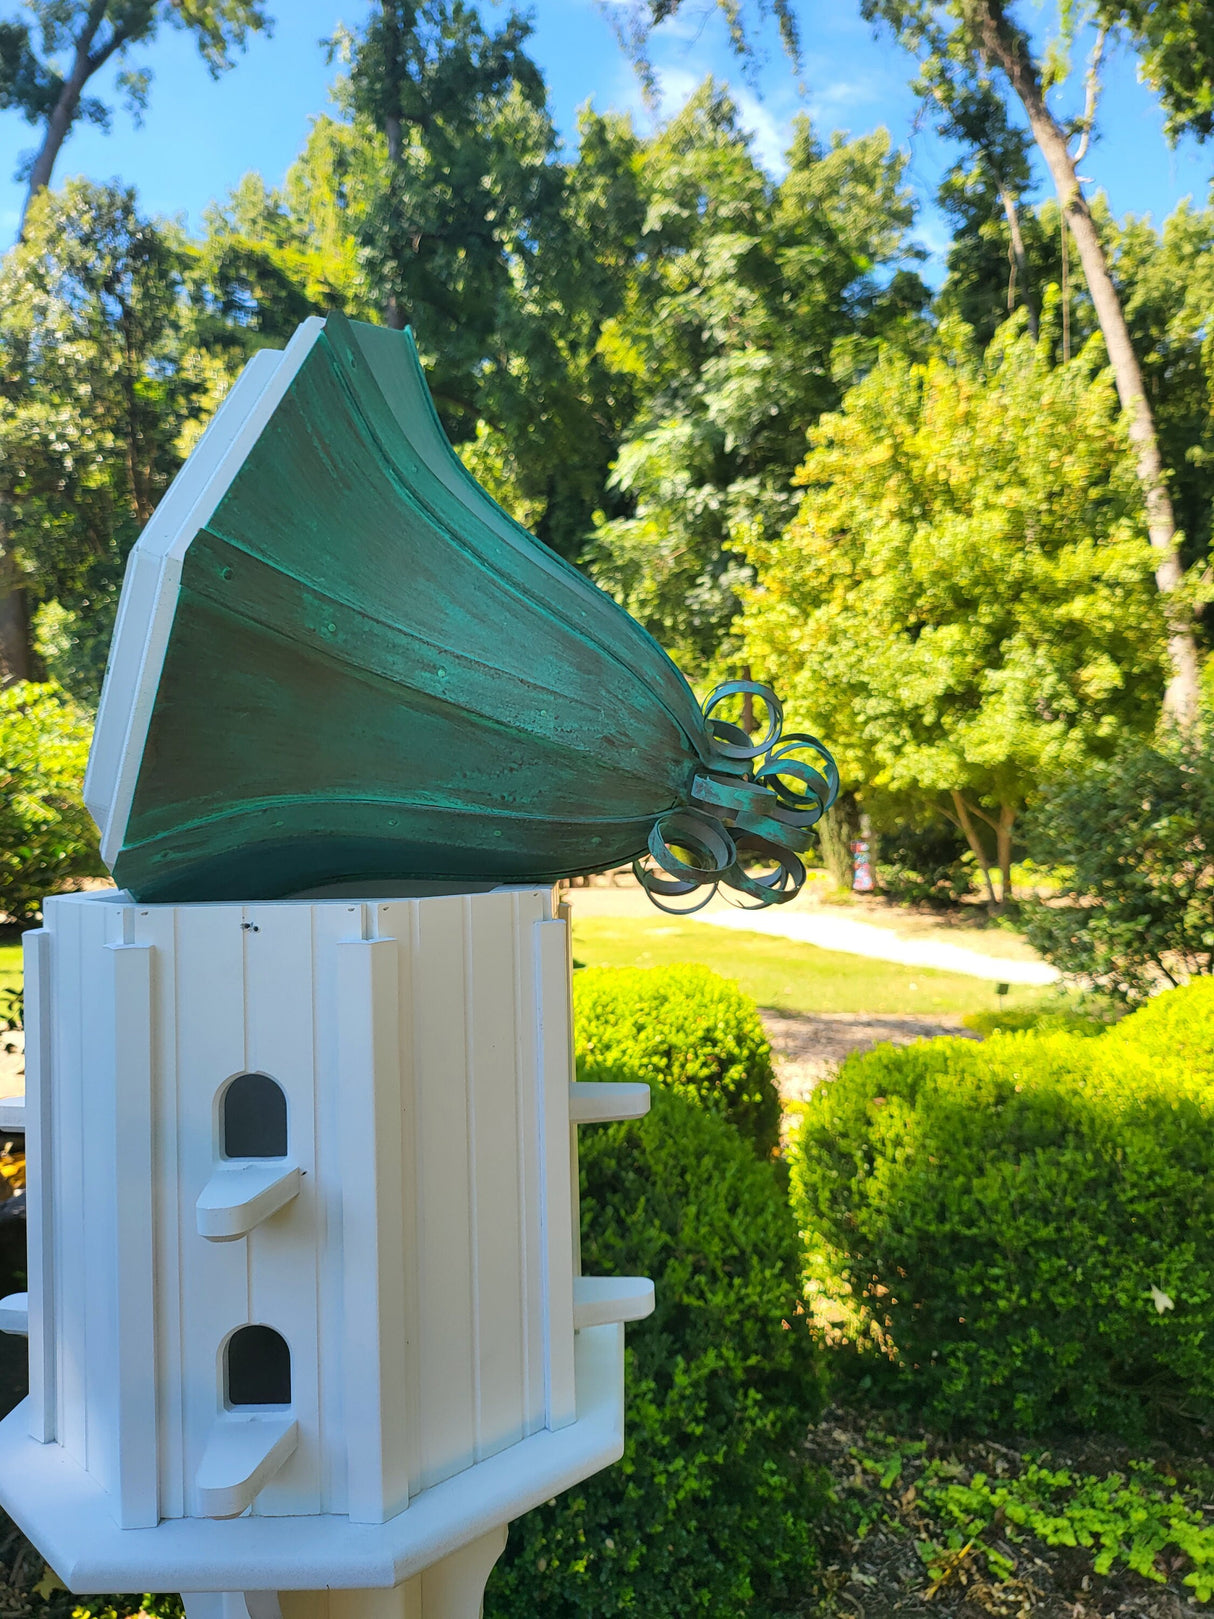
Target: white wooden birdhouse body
[303,1292]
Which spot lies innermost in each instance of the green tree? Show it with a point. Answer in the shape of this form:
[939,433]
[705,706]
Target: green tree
[747,302]
[961,43]
[44,71]
[1175,46]
[964,603]
[445,198]
[95,392]
[47,838]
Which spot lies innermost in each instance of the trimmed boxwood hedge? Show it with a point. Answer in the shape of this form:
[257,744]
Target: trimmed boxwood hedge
[685,1028]
[710,1510]
[1021,1233]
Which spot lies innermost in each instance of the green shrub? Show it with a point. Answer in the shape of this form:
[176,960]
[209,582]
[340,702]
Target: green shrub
[1019,1233]
[685,1028]
[1053,1014]
[47,839]
[924,865]
[1177,1027]
[709,1511]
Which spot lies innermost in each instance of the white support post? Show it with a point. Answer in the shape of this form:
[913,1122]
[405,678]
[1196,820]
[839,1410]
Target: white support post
[452,1588]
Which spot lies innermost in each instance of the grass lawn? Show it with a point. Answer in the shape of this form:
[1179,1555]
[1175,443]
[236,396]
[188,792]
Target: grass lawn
[10,965]
[789,976]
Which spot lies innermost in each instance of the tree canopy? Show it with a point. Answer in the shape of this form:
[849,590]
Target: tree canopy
[964,602]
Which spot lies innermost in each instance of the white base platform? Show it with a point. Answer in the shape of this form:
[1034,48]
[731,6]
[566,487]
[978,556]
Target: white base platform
[66,1514]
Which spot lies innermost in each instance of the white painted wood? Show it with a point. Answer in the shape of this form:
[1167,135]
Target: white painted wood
[556,1193]
[240,1196]
[242,1455]
[15,1314]
[231,1604]
[421,1274]
[374,1406]
[63,1204]
[136,1495]
[157,927]
[447,1349]
[64,1511]
[39,1196]
[212,1049]
[284,1284]
[12,1114]
[149,590]
[606,1101]
[101,991]
[600,1299]
[331,925]
[492,1051]
[454,1587]
[530,906]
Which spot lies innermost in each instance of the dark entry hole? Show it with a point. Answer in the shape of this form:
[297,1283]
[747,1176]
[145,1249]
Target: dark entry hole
[254,1118]
[257,1367]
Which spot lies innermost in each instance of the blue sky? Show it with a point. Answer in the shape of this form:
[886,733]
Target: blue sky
[200,136]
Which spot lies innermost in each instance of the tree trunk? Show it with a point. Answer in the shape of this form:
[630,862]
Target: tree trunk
[1020,263]
[16,662]
[63,113]
[1003,854]
[976,849]
[837,831]
[1006,48]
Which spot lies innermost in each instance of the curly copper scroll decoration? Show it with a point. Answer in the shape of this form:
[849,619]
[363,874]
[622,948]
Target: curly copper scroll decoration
[754,805]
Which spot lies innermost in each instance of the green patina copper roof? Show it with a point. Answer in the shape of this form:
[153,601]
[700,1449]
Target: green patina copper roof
[353,668]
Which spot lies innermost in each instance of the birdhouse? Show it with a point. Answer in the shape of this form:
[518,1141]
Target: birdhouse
[305,1308]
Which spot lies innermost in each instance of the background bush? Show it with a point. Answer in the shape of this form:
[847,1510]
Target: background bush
[924,865]
[709,1513]
[685,1028]
[1021,1233]
[47,838]
[1135,841]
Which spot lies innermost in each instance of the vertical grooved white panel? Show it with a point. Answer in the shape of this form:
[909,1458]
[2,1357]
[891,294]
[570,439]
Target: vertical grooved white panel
[36,946]
[67,1174]
[398,920]
[98,1133]
[552,1001]
[565,915]
[331,924]
[211,1049]
[156,925]
[528,910]
[282,1252]
[499,1233]
[136,1493]
[373,1229]
[446,1351]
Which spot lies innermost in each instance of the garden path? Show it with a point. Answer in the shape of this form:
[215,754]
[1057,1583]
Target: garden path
[808,1047]
[829,932]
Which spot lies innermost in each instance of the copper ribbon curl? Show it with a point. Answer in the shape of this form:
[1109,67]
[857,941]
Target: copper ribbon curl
[755,801]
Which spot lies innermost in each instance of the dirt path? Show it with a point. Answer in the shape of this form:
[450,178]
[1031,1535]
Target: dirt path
[810,1046]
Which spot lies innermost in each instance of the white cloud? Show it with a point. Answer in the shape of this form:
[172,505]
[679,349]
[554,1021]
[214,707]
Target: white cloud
[771,134]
